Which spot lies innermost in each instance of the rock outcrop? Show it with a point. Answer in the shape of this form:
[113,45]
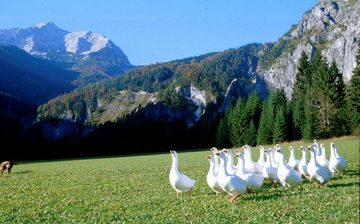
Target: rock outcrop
[333,27]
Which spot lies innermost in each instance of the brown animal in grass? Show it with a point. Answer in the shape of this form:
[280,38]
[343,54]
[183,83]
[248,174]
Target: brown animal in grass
[6,165]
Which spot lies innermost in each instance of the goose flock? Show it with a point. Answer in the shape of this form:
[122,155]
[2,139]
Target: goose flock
[248,176]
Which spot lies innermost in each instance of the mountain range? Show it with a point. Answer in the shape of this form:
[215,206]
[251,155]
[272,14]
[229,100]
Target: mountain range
[92,55]
[181,99]
[331,27]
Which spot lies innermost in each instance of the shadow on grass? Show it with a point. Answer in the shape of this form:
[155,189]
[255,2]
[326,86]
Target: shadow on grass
[352,173]
[268,196]
[351,184]
[21,172]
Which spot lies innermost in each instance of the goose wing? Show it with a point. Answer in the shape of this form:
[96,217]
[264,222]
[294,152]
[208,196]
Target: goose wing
[185,182]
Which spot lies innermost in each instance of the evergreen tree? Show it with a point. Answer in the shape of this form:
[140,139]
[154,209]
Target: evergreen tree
[250,134]
[340,124]
[310,129]
[301,88]
[265,132]
[277,101]
[321,95]
[253,108]
[338,86]
[303,77]
[279,134]
[353,95]
[222,134]
[235,115]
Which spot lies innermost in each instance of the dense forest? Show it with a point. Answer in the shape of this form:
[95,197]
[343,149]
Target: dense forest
[321,106]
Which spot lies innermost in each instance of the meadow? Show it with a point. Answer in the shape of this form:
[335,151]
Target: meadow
[136,189]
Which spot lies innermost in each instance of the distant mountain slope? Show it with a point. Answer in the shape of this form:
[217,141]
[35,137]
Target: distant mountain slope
[95,56]
[333,27]
[30,79]
[183,90]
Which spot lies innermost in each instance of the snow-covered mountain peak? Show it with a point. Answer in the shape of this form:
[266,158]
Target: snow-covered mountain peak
[43,24]
[85,42]
[93,55]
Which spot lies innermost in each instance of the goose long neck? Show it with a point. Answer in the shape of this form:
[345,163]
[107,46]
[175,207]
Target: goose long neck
[336,152]
[323,152]
[318,150]
[292,154]
[281,159]
[222,168]
[272,157]
[261,157]
[216,162]
[303,158]
[212,168]
[248,154]
[268,159]
[241,164]
[313,158]
[230,159]
[332,152]
[174,165]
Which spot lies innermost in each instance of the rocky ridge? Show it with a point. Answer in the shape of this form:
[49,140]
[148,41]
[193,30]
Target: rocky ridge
[331,26]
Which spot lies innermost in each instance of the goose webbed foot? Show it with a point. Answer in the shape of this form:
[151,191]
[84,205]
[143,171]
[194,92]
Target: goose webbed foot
[233,199]
[273,183]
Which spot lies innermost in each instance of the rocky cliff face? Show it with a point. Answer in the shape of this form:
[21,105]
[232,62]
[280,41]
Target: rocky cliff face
[331,26]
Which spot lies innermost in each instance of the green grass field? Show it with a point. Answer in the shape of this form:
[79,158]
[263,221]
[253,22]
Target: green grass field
[137,190]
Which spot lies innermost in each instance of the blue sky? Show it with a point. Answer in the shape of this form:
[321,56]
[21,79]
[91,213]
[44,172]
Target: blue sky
[162,30]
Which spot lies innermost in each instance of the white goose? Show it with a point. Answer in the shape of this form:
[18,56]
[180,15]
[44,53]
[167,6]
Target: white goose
[231,184]
[322,158]
[317,149]
[180,182]
[288,177]
[269,169]
[211,177]
[293,162]
[253,180]
[303,167]
[214,150]
[337,163]
[273,155]
[320,173]
[231,169]
[261,160]
[250,165]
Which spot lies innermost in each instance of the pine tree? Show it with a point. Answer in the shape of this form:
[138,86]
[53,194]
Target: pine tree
[277,101]
[222,134]
[236,113]
[253,108]
[303,77]
[310,129]
[265,132]
[321,95]
[250,134]
[301,88]
[340,124]
[338,86]
[279,131]
[353,95]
